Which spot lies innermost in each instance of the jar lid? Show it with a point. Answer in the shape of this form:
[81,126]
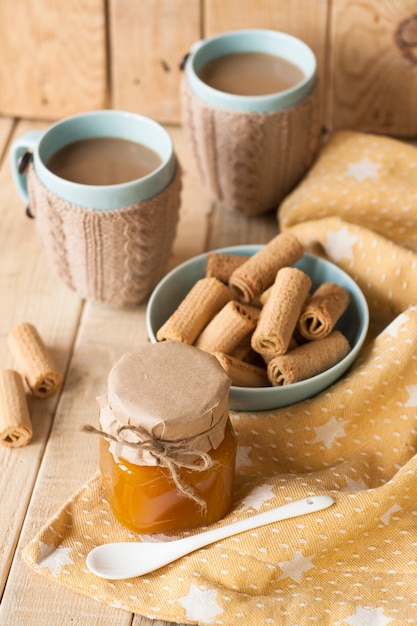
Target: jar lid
[172,390]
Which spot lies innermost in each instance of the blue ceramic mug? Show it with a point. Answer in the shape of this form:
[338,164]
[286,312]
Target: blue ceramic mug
[271,42]
[251,150]
[108,242]
[104,123]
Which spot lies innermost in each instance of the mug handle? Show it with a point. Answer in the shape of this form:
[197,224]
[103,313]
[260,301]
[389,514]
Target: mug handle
[196,45]
[22,145]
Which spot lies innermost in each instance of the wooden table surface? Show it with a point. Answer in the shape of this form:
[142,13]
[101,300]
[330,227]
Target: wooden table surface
[86,339]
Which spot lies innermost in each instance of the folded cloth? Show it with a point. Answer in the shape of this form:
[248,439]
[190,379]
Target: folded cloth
[366,179]
[353,563]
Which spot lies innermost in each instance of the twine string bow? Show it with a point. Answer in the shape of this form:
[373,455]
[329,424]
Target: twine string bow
[169,454]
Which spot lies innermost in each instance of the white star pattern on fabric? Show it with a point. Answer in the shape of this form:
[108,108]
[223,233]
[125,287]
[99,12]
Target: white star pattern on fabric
[258,497]
[354,485]
[387,516]
[412,395]
[54,558]
[331,430]
[368,617]
[340,243]
[363,169]
[242,456]
[200,605]
[296,567]
[393,328]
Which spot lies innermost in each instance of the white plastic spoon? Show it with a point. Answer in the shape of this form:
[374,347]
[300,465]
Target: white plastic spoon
[117,561]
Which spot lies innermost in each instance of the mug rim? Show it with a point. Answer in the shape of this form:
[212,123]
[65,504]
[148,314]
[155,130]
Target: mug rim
[209,49]
[90,124]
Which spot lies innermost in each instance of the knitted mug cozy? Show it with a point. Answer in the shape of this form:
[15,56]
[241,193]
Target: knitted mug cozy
[250,161]
[115,257]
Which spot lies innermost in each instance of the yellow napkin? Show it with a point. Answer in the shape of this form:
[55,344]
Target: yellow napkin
[354,563]
[364,179]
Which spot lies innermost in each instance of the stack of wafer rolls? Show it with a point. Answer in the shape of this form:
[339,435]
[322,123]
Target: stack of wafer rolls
[320,315]
[35,366]
[199,306]
[247,312]
[254,276]
[308,360]
[34,361]
[15,423]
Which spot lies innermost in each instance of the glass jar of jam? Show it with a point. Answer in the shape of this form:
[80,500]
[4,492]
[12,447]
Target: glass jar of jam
[167,454]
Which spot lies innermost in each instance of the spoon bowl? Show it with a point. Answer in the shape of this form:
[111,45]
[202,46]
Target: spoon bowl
[117,561]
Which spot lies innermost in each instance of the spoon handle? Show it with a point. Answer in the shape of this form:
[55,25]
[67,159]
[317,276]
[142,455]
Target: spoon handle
[129,559]
[304,506]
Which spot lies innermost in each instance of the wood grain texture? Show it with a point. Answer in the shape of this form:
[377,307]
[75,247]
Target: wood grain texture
[144,621]
[196,205]
[53,57]
[62,58]
[6,127]
[29,292]
[147,41]
[373,66]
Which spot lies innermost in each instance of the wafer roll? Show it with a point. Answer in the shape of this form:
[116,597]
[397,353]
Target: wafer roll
[308,360]
[222,266]
[244,351]
[242,374]
[15,424]
[264,296]
[200,305]
[34,361]
[320,315]
[227,329]
[268,357]
[280,314]
[259,271]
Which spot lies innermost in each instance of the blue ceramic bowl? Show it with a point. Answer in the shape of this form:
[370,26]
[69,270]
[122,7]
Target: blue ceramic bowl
[354,323]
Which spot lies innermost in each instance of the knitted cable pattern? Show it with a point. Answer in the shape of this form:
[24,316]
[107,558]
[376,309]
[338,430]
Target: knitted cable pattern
[115,257]
[250,161]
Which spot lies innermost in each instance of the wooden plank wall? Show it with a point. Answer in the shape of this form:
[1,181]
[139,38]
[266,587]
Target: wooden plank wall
[59,58]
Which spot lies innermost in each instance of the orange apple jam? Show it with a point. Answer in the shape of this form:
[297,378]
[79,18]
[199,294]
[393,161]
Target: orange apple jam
[145,499]
[168,449]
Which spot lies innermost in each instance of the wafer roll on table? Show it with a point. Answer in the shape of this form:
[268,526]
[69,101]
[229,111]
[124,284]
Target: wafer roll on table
[33,360]
[320,315]
[280,314]
[227,329]
[242,374]
[15,423]
[222,265]
[259,271]
[308,360]
[200,305]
